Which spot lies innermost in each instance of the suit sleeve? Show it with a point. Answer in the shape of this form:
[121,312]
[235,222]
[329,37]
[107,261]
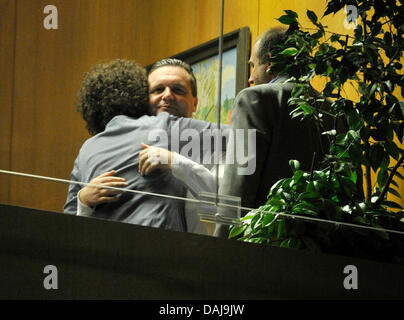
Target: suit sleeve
[71,201]
[249,117]
[242,178]
[195,176]
[203,137]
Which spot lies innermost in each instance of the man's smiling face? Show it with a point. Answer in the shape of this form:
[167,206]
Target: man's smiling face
[170,91]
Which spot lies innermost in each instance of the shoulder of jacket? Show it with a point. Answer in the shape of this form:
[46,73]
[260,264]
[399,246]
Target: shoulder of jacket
[266,89]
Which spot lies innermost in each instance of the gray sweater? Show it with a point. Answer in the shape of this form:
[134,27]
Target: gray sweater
[117,148]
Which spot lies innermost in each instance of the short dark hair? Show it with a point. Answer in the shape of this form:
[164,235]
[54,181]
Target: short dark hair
[118,87]
[177,63]
[269,39]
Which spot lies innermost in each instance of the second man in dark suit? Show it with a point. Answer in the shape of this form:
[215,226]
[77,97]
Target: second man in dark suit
[264,108]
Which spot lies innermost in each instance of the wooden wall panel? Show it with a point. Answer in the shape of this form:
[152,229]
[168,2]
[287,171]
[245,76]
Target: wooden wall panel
[237,14]
[167,27]
[183,24]
[48,131]
[271,10]
[7,45]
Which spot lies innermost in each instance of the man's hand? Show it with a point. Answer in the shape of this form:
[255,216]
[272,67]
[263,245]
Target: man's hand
[152,158]
[93,196]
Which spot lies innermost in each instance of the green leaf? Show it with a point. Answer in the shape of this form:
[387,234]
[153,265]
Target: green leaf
[394,183]
[268,220]
[298,174]
[248,231]
[354,119]
[296,113]
[287,19]
[373,89]
[399,175]
[329,88]
[286,196]
[387,39]
[331,133]
[288,182]
[392,149]
[400,132]
[391,204]
[291,13]
[394,192]
[354,176]
[355,149]
[248,216]
[309,195]
[295,243]
[378,134]
[281,230]
[335,37]
[237,230]
[294,165]
[305,211]
[284,244]
[333,7]
[329,70]
[363,89]
[312,16]
[254,221]
[382,177]
[358,34]
[354,135]
[307,109]
[276,186]
[289,51]
[321,66]
[377,155]
[359,220]
[310,187]
[305,208]
[297,90]
[365,133]
[348,185]
[385,163]
[278,204]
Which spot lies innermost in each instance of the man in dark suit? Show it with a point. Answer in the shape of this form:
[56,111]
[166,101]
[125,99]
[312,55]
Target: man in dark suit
[264,108]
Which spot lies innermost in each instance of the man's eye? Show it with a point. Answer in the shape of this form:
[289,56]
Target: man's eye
[179,91]
[156,90]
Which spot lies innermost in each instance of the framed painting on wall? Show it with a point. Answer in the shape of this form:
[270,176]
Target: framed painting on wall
[204,60]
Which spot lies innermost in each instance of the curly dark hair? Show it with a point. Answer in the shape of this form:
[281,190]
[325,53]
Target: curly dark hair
[109,89]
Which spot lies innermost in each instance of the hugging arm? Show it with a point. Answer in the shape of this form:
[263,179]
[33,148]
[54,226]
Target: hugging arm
[91,196]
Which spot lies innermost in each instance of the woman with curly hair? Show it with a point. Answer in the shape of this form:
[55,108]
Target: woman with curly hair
[111,89]
[113,100]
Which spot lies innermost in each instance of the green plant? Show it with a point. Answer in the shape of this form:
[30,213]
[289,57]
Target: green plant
[340,191]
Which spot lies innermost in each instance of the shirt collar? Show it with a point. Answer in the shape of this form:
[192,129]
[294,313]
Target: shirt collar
[273,80]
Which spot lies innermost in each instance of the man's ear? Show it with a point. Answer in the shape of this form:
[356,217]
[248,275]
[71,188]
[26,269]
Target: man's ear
[268,67]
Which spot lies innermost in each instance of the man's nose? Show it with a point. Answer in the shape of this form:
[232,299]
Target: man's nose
[250,80]
[168,94]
